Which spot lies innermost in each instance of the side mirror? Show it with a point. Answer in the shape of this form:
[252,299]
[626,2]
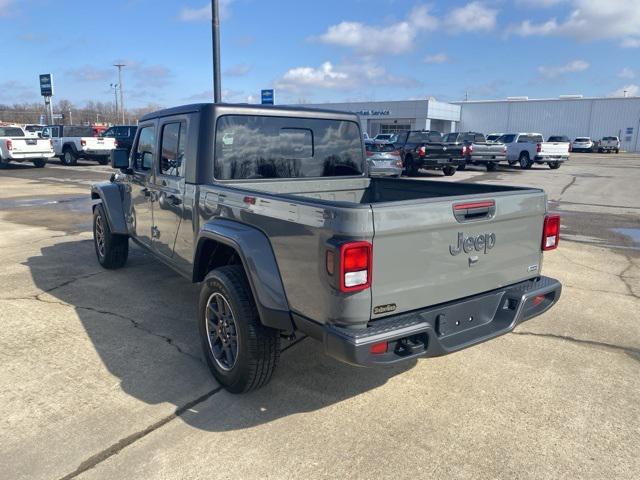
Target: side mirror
[120,158]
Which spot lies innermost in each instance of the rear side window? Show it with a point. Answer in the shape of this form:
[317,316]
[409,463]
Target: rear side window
[11,132]
[506,138]
[254,147]
[172,155]
[524,139]
[145,150]
[77,131]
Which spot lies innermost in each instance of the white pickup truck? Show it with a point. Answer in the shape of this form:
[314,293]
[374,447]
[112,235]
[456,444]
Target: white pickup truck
[609,144]
[529,148]
[16,146]
[71,142]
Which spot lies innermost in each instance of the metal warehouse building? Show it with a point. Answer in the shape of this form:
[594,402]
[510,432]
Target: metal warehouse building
[570,116]
[395,116]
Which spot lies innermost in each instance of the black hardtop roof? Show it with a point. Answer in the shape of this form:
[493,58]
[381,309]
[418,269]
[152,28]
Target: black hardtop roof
[249,109]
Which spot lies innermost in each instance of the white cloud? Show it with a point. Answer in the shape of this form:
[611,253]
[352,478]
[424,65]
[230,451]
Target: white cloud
[554,71]
[344,77]
[627,72]
[395,38]
[88,73]
[474,16]
[630,90]
[5,7]
[591,20]
[436,58]
[188,14]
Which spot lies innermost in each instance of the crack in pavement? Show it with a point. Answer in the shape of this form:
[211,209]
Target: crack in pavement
[594,343]
[568,185]
[123,443]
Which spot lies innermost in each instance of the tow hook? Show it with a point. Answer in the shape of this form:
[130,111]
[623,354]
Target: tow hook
[411,345]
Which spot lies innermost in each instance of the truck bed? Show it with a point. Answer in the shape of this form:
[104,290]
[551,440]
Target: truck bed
[365,191]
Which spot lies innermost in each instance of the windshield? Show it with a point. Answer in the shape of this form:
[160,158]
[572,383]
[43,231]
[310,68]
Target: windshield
[11,132]
[507,138]
[253,147]
[422,137]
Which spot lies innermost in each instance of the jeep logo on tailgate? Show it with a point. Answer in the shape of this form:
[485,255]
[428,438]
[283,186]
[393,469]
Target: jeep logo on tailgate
[481,243]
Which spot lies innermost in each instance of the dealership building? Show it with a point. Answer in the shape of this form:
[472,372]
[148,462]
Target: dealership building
[573,116]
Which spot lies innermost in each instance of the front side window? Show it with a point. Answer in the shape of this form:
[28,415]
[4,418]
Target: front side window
[77,131]
[172,154]
[145,150]
[255,147]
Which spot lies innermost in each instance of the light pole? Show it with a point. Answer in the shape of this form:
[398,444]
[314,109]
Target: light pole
[215,40]
[115,96]
[120,65]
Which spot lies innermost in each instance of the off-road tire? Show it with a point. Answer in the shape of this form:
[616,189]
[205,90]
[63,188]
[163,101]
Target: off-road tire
[525,161]
[617,150]
[39,163]
[258,347]
[448,171]
[69,157]
[115,248]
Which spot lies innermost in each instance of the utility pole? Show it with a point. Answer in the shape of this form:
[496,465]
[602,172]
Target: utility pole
[215,40]
[120,65]
[115,96]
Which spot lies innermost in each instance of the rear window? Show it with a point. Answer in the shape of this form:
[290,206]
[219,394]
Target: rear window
[583,139]
[254,147]
[611,139]
[450,137]
[421,137]
[380,147]
[77,131]
[558,139]
[493,138]
[11,132]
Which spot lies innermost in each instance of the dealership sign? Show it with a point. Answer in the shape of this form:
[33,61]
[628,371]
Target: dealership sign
[46,85]
[373,113]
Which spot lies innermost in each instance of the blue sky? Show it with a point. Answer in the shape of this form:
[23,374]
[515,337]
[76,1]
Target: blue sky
[312,51]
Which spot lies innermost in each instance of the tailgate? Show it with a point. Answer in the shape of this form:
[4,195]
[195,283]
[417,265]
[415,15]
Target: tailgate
[30,145]
[417,259]
[99,143]
[442,150]
[553,148]
[488,149]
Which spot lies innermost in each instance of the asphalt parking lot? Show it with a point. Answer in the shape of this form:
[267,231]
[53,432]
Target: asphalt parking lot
[102,377]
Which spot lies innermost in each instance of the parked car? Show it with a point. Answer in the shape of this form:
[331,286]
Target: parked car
[33,129]
[71,142]
[383,159]
[286,235]
[529,148]
[425,149]
[582,144]
[492,137]
[476,150]
[386,137]
[123,134]
[17,146]
[609,144]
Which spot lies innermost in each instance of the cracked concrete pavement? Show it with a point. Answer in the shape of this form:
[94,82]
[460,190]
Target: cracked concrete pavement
[103,378]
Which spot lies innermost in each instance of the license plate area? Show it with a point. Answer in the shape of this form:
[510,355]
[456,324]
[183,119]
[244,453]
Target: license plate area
[466,315]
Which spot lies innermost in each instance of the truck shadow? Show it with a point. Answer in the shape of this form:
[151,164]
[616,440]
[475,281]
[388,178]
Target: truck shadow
[141,322]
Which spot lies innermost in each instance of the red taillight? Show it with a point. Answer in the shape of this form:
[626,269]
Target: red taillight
[369,154]
[51,143]
[470,149]
[539,147]
[551,232]
[83,143]
[355,266]
[422,151]
[9,144]
[379,348]
[399,164]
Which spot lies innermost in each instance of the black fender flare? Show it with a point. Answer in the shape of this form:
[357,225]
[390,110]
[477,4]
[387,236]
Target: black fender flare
[109,194]
[69,145]
[259,262]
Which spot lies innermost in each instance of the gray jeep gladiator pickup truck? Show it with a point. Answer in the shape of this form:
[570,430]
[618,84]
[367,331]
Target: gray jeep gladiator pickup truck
[271,211]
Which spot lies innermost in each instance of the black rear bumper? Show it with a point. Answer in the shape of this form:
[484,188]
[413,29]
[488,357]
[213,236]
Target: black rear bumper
[438,330]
